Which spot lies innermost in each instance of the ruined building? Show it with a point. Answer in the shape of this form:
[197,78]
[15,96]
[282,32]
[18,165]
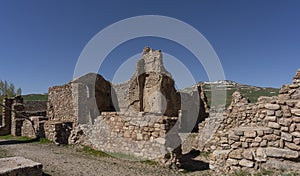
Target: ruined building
[265,134]
[141,117]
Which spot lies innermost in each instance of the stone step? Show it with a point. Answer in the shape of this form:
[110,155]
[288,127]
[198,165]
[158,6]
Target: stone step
[20,166]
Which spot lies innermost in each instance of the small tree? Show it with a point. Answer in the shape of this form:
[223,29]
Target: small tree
[19,91]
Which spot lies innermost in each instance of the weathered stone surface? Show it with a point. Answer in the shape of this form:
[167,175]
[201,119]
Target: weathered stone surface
[246,163]
[258,139]
[261,154]
[296,134]
[295,112]
[239,132]
[270,113]
[236,154]
[251,134]
[273,125]
[281,153]
[286,136]
[296,119]
[292,146]
[271,118]
[20,166]
[296,141]
[285,122]
[272,106]
[282,165]
[248,154]
[232,162]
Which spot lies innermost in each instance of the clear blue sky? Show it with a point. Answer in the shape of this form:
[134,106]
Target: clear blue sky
[258,42]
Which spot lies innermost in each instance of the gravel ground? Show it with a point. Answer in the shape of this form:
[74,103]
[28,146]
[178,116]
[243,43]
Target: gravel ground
[68,161]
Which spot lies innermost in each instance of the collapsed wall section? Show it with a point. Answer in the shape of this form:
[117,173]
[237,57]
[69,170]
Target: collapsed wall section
[261,135]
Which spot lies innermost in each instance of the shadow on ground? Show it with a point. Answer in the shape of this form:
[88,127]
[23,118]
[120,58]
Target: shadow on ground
[189,163]
[13,142]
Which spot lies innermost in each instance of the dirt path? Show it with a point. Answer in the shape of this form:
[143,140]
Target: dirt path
[68,161]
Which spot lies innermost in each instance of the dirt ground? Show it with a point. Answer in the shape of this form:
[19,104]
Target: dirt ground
[70,161]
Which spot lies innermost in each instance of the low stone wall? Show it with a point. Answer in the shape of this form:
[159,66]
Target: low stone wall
[34,127]
[58,131]
[264,134]
[255,148]
[143,135]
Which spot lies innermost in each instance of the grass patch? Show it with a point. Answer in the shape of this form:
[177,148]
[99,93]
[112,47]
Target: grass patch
[241,173]
[205,154]
[93,152]
[44,141]
[264,172]
[16,138]
[150,162]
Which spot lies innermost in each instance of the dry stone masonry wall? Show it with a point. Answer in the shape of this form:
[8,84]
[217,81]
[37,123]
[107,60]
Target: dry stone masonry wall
[261,135]
[143,135]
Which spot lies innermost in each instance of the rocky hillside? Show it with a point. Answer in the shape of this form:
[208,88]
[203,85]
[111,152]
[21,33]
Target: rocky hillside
[249,91]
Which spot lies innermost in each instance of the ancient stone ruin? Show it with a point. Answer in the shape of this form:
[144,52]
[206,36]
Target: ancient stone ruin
[143,117]
[252,136]
[21,118]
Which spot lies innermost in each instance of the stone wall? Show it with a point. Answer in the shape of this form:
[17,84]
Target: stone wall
[150,89]
[143,135]
[265,134]
[35,105]
[60,103]
[6,116]
[136,116]
[19,118]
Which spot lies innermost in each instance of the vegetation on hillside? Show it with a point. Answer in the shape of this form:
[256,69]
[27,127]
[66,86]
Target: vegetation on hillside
[250,92]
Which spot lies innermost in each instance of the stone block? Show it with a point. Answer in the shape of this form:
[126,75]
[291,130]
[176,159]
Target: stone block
[271,118]
[236,154]
[250,134]
[274,125]
[292,146]
[248,154]
[295,112]
[281,153]
[286,136]
[232,162]
[20,166]
[296,119]
[296,134]
[272,106]
[246,163]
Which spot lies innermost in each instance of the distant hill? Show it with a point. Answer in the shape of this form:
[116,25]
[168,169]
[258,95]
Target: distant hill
[40,97]
[248,91]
